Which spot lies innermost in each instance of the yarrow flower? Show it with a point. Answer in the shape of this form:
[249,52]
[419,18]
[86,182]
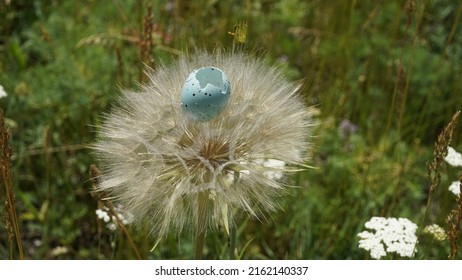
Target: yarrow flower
[2,92]
[437,232]
[275,168]
[455,187]
[391,236]
[453,157]
[60,250]
[111,221]
[171,169]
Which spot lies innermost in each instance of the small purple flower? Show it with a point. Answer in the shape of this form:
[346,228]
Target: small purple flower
[346,127]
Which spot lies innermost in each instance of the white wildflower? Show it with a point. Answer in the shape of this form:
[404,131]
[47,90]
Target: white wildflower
[436,232]
[274,168]
[125,217]
[391,235]
[102,215]
[277,166]
[60,250]
[453,157]
[371,243]
[455,187]
[2,92]
[111,226]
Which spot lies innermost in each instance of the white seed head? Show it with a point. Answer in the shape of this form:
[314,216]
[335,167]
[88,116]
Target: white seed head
[155,159]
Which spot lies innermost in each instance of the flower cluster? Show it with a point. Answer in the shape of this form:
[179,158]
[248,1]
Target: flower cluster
[455,159]
[455,187]
[110,220]
[275,168]
[172,170]
[59,251]
[2,92]
[437,232]
[391,236]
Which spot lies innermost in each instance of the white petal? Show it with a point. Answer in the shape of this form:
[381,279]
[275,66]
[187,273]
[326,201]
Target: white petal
[455,187]
[2,92]
[453,158]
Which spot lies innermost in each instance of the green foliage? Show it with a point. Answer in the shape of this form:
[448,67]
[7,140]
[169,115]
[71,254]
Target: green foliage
[392,71]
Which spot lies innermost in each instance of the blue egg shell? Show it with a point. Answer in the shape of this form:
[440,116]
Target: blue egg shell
[205,93]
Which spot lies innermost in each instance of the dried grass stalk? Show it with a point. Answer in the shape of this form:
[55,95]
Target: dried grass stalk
[11,218]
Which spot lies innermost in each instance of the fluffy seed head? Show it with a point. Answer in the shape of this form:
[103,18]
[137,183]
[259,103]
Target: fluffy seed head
[156,159]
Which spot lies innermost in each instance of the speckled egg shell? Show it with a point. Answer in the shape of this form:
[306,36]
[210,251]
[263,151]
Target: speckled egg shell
[205,93]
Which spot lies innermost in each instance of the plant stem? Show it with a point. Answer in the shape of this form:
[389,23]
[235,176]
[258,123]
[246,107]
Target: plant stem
[11,217]
[232,242]
[201,224]
[95,174]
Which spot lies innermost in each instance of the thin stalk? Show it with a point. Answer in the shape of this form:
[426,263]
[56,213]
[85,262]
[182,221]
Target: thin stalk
[44,211]
[201,224]
[11,217]
[232,242]
[95,174]
[433,168]
[419,18]
[453,223]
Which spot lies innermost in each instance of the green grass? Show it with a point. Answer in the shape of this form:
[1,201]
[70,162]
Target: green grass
[393,71]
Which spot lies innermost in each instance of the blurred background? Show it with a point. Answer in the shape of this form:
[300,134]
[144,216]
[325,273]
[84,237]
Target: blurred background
[384,77]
